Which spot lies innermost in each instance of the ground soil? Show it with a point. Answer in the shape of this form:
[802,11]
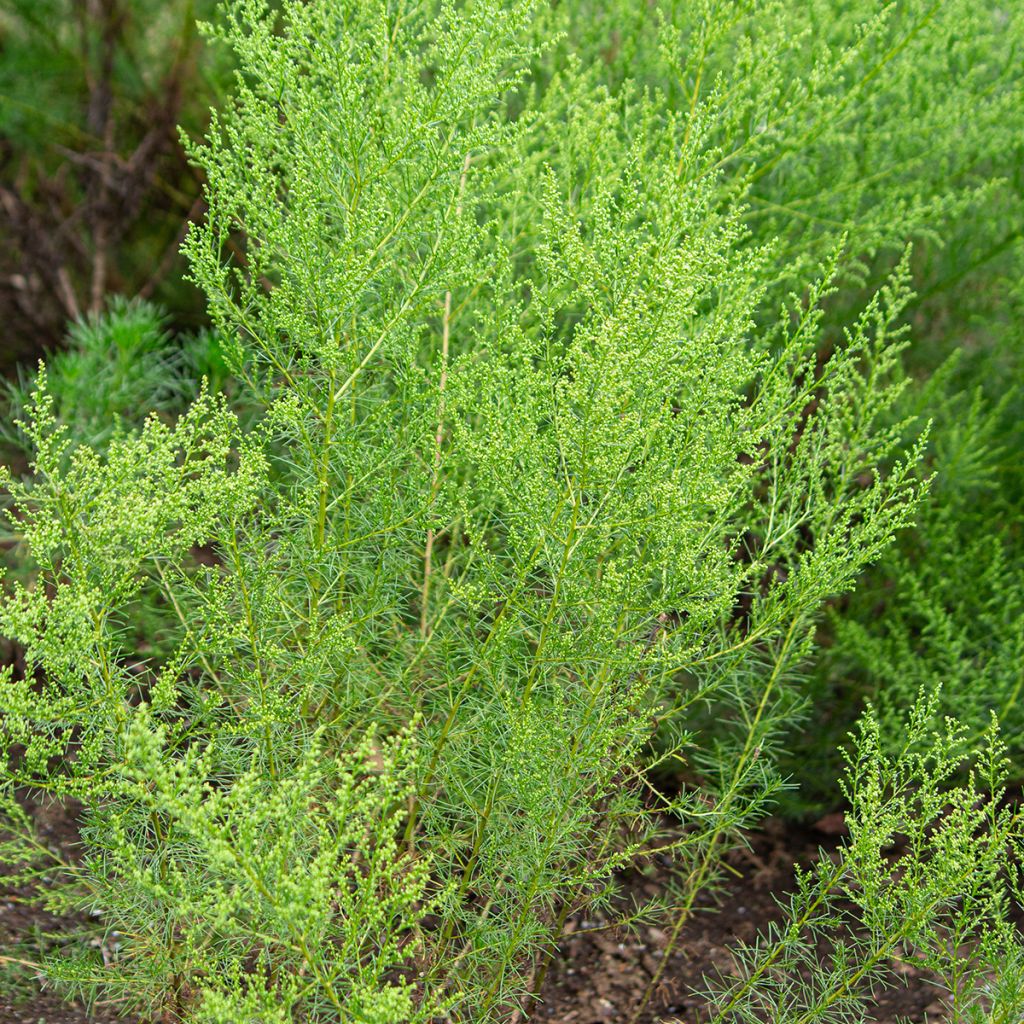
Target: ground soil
[599,975]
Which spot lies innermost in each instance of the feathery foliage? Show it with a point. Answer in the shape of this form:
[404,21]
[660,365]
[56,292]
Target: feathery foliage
[566,411]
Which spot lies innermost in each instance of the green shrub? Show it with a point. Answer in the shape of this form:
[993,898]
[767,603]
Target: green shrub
[118,367]
[563,446]
[944,609]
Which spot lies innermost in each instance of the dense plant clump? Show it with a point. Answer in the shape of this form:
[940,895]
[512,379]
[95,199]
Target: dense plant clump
[565,373]
[954,620]
[118,368]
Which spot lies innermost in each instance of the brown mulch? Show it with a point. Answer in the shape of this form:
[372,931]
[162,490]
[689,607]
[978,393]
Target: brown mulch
[599,975]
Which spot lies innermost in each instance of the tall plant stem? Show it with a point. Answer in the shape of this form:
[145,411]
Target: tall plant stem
[446,325]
